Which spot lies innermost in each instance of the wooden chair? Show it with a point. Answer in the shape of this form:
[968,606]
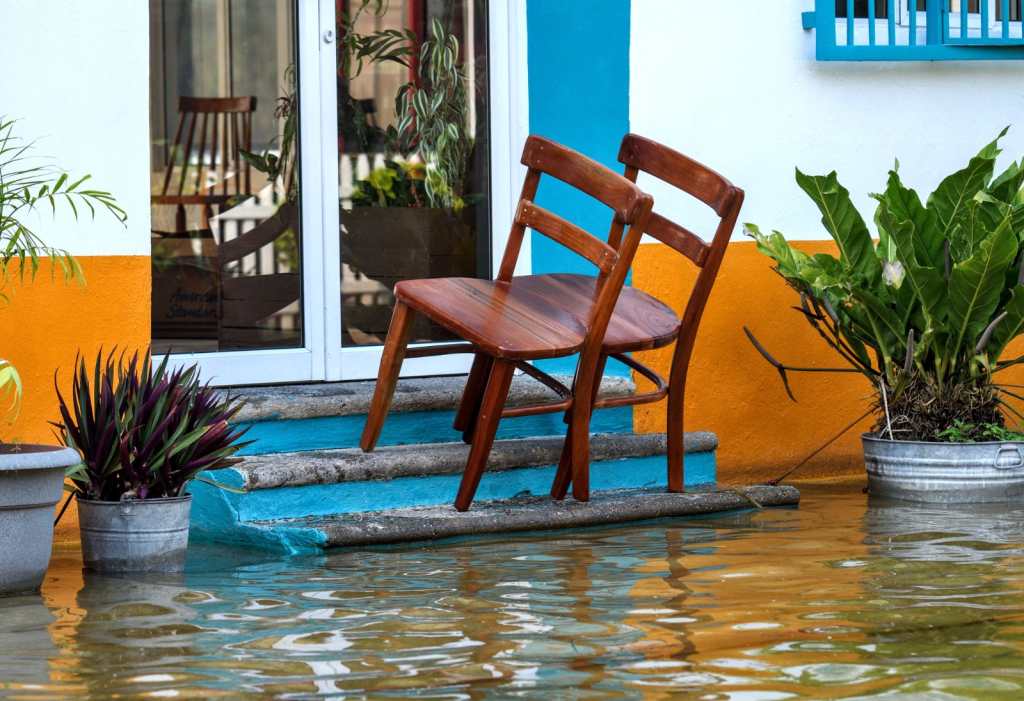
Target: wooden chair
[513,320]
[224,129]
[640,322]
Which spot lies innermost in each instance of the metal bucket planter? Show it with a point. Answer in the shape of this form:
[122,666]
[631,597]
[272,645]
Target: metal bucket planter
[31,482]
[135,536]
[944,473]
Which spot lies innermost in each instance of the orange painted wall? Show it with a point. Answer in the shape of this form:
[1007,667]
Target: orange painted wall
[47,321]
[732,391]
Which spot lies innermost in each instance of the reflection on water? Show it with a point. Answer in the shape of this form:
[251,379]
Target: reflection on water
[840,599]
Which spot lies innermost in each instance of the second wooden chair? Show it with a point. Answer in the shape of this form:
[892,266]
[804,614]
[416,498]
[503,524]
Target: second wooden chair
[513,320]
[641,322]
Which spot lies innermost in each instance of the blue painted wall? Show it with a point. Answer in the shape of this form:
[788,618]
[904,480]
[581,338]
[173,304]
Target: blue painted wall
[578,61]
[578,58]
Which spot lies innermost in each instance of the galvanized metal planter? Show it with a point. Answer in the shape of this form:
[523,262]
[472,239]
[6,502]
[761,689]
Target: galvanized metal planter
[944,473]
[135,536]
[31,482]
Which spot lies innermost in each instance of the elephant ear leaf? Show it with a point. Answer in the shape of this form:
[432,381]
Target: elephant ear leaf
[790,262]
[842,221]
[927,282]
[1007,184]
[901,204]
[952,197]
[976,284]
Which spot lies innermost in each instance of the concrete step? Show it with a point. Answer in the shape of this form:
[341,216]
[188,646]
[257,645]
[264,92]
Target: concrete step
[281,488]
[535,513]
[290,418]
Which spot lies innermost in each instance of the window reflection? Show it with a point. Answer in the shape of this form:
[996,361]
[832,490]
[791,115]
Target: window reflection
[225,240]
[414,153]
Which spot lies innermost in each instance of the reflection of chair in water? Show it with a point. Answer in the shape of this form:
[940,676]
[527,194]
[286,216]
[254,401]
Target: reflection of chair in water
[205,168]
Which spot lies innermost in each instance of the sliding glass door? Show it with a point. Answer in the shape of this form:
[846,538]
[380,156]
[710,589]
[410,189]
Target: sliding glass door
[307,156]
[413,160]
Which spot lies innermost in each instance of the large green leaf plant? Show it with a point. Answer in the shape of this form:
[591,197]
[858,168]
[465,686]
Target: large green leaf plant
[28,186]
[926,310]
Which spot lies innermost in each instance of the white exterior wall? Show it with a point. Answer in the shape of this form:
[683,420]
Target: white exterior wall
[734,84]
[76,75]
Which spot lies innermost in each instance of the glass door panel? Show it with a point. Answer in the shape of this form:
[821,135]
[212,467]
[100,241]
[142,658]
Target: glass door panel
[226,239]
[413,153]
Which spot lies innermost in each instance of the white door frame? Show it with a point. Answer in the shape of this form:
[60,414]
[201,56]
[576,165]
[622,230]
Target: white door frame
[322,357]
[509,126]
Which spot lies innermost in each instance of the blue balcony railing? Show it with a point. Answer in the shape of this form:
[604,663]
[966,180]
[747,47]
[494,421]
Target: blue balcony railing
[917,30]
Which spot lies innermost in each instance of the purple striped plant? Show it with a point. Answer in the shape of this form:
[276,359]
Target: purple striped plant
[144,432]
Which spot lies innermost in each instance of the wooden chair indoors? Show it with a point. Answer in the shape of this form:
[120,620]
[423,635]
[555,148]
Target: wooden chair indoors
[224,129]
[513,320]
[641,322]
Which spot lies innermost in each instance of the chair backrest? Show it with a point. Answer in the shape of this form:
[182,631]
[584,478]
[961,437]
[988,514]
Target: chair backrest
[215,130]
[641,154]
[631,208]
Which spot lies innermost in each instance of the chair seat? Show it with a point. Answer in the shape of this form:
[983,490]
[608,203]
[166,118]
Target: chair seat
[537,316]
[639,322]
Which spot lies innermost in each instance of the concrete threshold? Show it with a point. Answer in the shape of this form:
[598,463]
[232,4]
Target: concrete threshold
[535,513]
[305,401]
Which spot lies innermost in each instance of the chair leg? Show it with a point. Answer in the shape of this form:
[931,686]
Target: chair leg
[579,431]
[674,429]
[180,222]
[387,376]
[472,396]
[483,434]
[563,476]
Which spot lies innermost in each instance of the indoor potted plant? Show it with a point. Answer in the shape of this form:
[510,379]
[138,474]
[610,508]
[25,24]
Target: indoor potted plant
[925,315]
[412,217]
[143,434]
[31,475]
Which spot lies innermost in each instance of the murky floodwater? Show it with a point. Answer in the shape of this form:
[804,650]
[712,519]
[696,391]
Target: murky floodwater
[840,599]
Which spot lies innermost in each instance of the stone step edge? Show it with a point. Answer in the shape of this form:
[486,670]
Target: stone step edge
[306,401]
[419,460]
[528,514]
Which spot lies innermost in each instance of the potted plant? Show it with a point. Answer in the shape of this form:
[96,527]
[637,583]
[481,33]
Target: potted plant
[31,475]
[925,314]
[412,217]
[143,434]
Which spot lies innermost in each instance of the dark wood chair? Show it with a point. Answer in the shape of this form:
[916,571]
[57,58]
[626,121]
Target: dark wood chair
[641,322]
[511,321]
[214,130]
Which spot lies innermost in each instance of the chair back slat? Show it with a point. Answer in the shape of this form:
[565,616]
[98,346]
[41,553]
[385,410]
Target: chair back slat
[568,234]
[582,173]
[678,237]
[218,128]
[677,170]
[644,155]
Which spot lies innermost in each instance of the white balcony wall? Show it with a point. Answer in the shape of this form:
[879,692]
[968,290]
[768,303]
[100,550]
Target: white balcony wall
[76,75]
[734,83]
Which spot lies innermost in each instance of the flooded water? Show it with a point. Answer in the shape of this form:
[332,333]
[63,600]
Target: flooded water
[840,599]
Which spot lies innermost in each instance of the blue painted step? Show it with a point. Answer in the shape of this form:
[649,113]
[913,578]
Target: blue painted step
[292,418]
[281,490]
